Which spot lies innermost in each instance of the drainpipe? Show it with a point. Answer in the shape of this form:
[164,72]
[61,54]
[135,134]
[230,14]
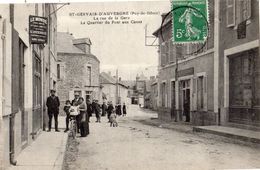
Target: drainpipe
[216,61]
[12,115]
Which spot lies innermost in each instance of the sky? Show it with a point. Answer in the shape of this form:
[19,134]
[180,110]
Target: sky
[118,46]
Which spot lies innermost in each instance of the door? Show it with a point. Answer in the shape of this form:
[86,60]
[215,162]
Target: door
[184,99]
[37,96]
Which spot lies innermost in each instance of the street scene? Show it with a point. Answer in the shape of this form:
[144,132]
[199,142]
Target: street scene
[132,85]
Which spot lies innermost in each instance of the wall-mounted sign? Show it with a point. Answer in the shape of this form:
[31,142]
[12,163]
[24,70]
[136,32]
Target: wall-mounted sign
[38,29]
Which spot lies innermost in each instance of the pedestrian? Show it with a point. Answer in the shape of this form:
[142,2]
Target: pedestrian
[89,110]
[75,102]
[118,110]
[104,109]
[112,120]
[83,120]
[53,104]
[66,109]
[124,109]
[110,109]
[97,110]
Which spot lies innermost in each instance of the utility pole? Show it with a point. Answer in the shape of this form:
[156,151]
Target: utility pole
[117,102]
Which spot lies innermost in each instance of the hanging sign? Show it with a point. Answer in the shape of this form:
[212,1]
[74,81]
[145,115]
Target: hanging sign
[38,29]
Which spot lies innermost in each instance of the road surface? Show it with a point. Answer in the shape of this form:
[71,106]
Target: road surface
[135,146]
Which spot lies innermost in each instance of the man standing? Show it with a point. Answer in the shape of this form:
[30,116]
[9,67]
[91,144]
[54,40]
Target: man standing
[53,104]
[104,109]
[75,101]
[110,109]
[97,110]
[124,109]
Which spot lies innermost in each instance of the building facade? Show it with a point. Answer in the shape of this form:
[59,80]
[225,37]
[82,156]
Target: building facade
[154,95]
[239,62]
[22,76]
[186,76]
[77,69]
[110,87]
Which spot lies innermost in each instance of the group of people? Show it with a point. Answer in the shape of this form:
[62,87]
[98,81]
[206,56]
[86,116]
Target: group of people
[86,109]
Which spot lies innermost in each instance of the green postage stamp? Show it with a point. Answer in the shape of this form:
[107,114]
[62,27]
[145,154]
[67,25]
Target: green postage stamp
[189,21]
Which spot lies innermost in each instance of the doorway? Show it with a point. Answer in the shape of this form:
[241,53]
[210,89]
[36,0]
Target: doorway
[185,100]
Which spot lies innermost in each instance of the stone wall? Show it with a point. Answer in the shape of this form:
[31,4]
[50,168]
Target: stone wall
[74,76]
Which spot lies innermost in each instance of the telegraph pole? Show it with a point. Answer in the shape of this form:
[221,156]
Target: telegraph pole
[117,102]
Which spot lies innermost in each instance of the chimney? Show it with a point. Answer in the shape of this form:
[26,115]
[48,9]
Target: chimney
[83,44]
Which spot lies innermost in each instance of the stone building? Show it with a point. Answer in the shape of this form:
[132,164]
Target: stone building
[194,83]
[109,89]
[154,95]
[24,72]
[239,63]
[77,69]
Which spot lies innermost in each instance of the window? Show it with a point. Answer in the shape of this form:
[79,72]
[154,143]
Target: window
[167,52]
[163,54]
[164,95]
[172,51]
[241,80]
[173,94]
[238,11]
[244,10]
[231,13]
[58,71]
[89,75]
[200,92]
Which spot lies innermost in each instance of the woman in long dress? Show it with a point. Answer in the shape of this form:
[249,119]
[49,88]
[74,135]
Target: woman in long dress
[84,124]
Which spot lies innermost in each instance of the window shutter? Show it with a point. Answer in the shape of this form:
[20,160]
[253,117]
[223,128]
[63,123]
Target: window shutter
[163,54]
[231,13]
[167,52]
[205,99]
[195,93]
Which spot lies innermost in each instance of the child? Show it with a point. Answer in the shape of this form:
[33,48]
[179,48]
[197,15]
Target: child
[112,120]
[67,111]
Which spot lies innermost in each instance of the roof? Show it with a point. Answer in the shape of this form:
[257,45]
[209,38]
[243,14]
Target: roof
[65,44]
[129,83]
[105,78]
[166,21]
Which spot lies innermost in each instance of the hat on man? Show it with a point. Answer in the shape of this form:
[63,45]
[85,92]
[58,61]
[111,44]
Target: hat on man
[52,90]
[76,94]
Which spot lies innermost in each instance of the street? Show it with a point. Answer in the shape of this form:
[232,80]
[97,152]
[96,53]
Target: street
[135,146]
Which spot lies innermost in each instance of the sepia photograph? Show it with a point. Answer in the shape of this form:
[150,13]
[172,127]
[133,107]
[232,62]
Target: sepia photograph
[129,85]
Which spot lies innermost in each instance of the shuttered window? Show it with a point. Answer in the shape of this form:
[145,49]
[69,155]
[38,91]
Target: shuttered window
[61,71]
[163,56]
[244,10]
[167,52]
[231,13]
[171,52]
[238,11]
